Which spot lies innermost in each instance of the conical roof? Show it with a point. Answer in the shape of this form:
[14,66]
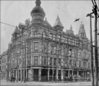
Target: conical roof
[16,30]
[58,22]
[70,31]
[82,32]
[47,23]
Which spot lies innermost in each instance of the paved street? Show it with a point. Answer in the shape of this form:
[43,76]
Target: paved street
[3,82]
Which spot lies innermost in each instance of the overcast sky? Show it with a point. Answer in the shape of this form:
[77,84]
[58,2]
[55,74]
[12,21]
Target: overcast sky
[14,12]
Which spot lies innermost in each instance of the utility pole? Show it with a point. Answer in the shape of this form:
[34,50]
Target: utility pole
[96,48]
[91,42]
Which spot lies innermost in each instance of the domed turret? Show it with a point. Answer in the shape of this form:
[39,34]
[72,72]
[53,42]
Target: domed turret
[38,13]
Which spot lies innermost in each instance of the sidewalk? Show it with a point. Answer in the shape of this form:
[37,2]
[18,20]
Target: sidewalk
[4,82]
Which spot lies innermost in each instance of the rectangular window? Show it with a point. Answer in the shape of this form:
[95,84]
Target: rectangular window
[45,47]
[84,64]
[50,35]
[66,40]
[28,59]
[36,46]
[35,60]
[50,61]
[80,44]
[54,50]
[59,61]
[63,50]
[44,60]
[89,66]
[28,48]
[58,37]
[79,63]
[70,62]
[53,37]
[54,61]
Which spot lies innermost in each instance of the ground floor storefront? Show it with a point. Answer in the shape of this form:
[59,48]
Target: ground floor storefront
[48,74]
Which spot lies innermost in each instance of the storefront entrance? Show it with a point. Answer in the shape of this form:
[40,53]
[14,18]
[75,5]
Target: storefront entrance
[36,74]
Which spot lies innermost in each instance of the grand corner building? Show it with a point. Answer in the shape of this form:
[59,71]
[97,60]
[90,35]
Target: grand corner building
[40,52]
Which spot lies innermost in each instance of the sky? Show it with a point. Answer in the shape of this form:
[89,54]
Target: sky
[15,12]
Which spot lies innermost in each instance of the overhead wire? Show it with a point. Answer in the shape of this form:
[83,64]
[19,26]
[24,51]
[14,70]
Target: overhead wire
[7,24]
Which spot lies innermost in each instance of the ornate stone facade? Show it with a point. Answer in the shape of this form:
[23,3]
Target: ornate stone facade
[42,52]
[3,65]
